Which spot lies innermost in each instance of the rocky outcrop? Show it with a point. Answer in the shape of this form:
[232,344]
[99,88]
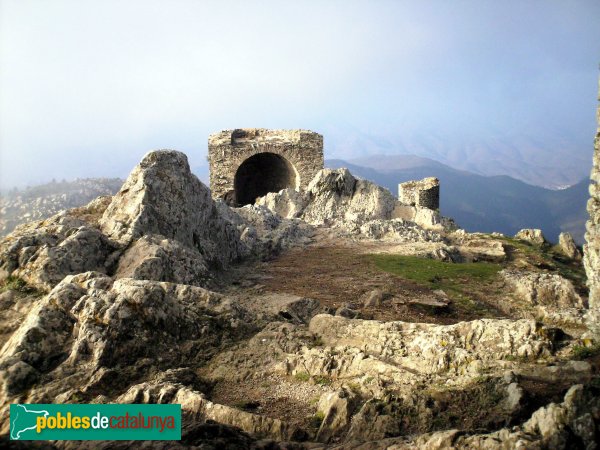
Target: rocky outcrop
[162,226]
[567,245]
[532,235]
[337,198]
[591,249]
[161,196]
[43,253]
[93,324]
[195,403]
[545,289]
[429,349]
[153,257]
[262,232]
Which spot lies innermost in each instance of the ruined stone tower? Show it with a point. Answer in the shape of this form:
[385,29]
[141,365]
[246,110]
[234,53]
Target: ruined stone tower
[248,163]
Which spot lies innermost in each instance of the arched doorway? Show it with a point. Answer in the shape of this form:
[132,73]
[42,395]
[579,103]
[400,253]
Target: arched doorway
[263,173]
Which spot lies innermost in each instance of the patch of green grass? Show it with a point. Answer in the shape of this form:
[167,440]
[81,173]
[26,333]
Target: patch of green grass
[458,280]
[583,352]
[322,380]
[302,376]
[317,419]
[19,285]
[434,273]
[246,405]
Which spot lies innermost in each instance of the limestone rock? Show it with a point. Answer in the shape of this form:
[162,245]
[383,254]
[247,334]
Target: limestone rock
[90,322]
[429,349]
[398,230]
[153,257]
[44,252]
[374,298]
[482,249]
[337,409]
[204,410]
[591,249]
[161,196]
[337,198]
[263,233]
[540,288]
[288,203]
[533,235]
[567,246]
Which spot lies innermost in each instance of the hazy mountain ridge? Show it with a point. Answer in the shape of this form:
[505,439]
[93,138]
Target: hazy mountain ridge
[483,203]
[556,160]
[42,201]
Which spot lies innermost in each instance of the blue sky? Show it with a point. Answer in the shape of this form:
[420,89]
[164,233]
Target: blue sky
[88,87]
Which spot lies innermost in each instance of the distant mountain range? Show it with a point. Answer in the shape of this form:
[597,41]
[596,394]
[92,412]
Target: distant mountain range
[42,201]
[548,156]
[483,203]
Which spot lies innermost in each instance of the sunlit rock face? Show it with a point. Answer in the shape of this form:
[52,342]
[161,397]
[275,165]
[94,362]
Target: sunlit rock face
[591,249]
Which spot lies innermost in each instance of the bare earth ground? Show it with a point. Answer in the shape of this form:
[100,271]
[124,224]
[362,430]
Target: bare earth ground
[340,272]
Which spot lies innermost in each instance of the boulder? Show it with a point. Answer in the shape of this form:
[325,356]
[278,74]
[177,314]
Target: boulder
[429,349]
[533,235]
[154,257]
[541,288]
[567,245]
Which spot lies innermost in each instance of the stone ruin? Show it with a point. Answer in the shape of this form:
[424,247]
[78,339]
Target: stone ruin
[424,193]
[251,162]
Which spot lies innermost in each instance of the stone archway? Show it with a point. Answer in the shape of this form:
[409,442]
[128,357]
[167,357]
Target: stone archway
[263,173]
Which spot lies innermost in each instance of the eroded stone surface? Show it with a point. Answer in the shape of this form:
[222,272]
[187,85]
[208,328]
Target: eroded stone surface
[591,249]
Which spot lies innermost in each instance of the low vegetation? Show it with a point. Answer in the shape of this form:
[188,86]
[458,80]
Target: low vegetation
[463,283]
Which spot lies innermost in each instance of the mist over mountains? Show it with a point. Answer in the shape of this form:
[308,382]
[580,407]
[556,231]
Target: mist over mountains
[546,156]
[483,203]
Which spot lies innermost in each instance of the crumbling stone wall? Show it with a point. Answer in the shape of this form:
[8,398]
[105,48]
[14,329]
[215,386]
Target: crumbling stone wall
[591,249]
[424,193]
[248,163]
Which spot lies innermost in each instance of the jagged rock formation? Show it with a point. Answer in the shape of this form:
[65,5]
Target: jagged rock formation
[161,196]
[92,324]
[591,249]
[337,199]
[567,245]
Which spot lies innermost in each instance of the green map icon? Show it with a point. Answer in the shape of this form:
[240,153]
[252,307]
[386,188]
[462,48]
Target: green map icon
[24,420]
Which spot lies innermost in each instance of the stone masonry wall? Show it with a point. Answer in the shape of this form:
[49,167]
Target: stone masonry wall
[229,149]
[592,247]
[424,193]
